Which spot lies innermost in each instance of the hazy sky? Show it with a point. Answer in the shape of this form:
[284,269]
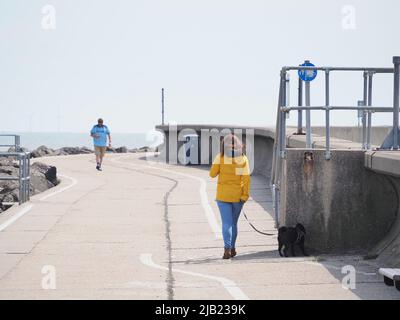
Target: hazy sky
[218,60]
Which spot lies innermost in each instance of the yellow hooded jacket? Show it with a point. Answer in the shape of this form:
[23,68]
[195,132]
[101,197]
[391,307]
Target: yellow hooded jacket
[233,178]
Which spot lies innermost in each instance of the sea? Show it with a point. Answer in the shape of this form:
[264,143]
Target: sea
[55,140]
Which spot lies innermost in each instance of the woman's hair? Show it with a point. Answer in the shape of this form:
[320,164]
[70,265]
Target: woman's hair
[233,141]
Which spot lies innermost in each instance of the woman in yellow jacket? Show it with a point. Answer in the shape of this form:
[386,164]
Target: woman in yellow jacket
[232,168]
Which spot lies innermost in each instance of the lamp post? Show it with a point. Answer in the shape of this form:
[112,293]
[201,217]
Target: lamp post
[162,106]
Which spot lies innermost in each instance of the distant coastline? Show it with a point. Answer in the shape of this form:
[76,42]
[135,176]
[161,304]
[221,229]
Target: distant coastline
[56,140]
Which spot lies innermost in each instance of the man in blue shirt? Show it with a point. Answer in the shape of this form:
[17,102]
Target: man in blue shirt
[99,133]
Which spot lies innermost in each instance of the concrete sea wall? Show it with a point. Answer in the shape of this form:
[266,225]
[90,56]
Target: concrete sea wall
[343,206]
[259,143]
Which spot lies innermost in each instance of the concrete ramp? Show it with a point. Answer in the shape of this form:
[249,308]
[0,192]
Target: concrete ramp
[387,251]
[387,164]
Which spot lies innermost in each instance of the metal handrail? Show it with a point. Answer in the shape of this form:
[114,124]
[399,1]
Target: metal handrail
[276,163]
[372,70]
[16,144]
[365,106]
[23,177]
[324,108]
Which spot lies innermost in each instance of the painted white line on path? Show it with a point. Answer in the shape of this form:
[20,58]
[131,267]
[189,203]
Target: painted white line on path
[74,182]
[228,284]
[28,207]
[25,209]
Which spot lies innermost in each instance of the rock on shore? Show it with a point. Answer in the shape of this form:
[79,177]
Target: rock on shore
[42,175]
[44,151]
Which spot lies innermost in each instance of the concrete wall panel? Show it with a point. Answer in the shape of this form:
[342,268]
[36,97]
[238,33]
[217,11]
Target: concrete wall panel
[343,206]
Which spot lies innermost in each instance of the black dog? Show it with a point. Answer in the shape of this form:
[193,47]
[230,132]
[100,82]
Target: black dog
[288,237]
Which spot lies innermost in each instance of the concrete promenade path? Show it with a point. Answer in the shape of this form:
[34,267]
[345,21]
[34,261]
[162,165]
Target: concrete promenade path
[140,230]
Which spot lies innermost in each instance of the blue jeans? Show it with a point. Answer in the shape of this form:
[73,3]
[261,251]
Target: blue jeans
[230,212]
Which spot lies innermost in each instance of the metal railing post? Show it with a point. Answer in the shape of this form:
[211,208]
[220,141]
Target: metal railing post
[396,102]
[23,178]
[20,185]
[275,203]
[26,177]
[308,116]
[162,106]
[308,112]
[364,119]
[280,148]
[300,112]
[287,89]
[17,143]
[283,115]
[29,176]
[369,104]
[361,104]
[283,155]
[327,118]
